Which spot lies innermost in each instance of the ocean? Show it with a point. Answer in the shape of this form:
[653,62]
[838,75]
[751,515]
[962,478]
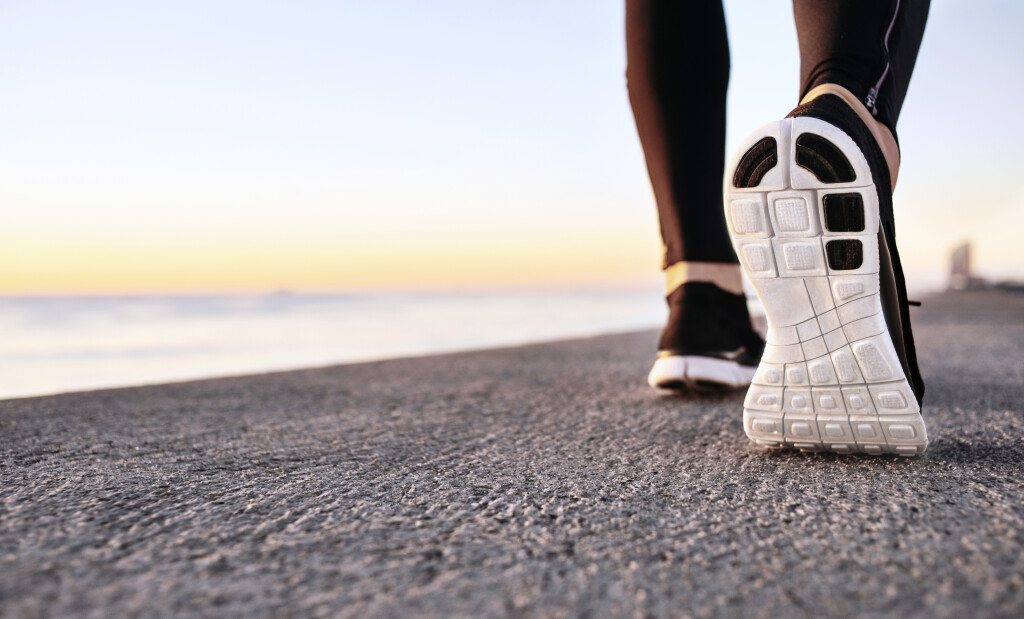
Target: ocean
[59,344]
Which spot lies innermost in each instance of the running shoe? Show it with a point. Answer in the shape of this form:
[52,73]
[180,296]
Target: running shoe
[708,343]
[809,209]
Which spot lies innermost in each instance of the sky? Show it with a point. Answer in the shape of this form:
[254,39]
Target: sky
[219,146]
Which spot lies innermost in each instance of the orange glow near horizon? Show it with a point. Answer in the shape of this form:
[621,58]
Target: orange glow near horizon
[241,264]
[354,145]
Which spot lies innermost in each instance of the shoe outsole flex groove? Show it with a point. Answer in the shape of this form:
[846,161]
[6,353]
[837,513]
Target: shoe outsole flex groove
[803,213]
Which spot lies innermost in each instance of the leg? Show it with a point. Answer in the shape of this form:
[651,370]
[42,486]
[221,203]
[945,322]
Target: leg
[867,50]
[678,72]
[809,205]
[679,106]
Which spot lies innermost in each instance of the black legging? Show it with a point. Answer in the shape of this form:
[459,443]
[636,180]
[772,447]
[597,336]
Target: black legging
[678,72]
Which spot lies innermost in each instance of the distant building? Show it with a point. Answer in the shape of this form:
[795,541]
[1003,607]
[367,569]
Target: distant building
[960,277]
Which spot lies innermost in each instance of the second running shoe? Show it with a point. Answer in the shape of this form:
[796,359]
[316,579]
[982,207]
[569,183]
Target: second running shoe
[708,343]
[809,209]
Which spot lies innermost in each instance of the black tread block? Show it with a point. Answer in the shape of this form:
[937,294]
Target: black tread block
[844,212]
[757,161]
[844,254]
[823,159]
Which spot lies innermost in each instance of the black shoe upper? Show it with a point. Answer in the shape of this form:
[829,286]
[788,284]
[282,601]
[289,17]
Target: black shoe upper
[832,109]
[706,321]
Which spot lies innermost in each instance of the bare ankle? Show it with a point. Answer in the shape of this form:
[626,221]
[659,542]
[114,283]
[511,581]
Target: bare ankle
[725,275]
[883,136]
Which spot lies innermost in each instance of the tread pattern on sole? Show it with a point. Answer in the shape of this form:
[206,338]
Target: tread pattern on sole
[844,254]
[824,159]
[757,161]
[829,379]
[844,212]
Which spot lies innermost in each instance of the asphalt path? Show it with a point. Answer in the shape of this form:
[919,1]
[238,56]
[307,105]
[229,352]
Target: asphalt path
[542,480]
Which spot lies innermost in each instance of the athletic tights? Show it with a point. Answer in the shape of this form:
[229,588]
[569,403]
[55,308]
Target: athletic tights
[678,71]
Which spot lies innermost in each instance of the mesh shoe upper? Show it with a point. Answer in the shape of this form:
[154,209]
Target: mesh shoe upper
[705,320]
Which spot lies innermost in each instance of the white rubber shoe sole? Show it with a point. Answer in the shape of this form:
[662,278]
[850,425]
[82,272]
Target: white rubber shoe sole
[830,378]
[699,373]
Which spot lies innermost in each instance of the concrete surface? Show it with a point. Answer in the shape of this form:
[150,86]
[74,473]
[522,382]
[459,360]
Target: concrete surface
[543,480]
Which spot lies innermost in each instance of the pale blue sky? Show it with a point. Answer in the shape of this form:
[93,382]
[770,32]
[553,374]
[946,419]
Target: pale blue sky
[346,132]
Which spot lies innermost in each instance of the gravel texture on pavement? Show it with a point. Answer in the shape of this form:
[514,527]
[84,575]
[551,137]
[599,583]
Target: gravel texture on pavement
[541,480]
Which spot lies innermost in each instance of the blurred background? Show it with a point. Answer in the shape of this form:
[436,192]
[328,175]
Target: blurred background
[194,189]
